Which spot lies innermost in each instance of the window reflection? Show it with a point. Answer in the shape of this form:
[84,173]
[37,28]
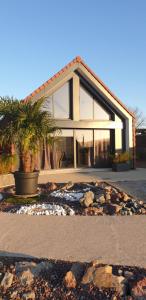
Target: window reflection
[102,148]
[61,102]
[90,109]
[63,150]
[58,104]
[99,112]
[86,105]
[84,148]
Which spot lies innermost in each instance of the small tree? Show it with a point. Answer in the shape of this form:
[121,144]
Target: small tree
[139,117]
[24,125]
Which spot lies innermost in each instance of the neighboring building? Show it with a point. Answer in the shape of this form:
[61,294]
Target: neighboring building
[94,123]
[141,144]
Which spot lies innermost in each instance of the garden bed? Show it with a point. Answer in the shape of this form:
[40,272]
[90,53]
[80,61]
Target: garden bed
[37,279]
[95,198]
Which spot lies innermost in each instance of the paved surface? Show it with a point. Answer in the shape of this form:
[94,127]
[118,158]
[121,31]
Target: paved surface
[118,240]
[84,175]
[92,174]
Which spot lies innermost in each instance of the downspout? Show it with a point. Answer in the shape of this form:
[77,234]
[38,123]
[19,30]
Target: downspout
[134,143]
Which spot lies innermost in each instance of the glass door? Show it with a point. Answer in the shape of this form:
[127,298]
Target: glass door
[102,146]
[84,148]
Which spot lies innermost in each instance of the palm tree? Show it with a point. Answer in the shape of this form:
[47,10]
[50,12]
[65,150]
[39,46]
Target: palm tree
[25,125]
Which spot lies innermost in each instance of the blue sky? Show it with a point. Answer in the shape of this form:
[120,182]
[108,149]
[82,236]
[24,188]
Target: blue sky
[38,37]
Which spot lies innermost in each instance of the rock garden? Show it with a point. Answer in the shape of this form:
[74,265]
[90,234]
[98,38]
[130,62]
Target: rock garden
[69,199]
[34,279]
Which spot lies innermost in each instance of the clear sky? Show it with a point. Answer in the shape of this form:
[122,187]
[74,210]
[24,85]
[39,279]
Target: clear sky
[39,37]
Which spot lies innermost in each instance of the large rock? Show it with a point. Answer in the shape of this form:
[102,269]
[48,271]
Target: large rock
[73,277]
[138,291]
[87,200]
[35,269]
[24,266]
[7,280]
[89,275]
[52,187]
[26,277]
[102,277]
[44,266]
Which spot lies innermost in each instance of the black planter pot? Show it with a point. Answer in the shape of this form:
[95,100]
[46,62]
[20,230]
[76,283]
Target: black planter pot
[121,167]
[26,183]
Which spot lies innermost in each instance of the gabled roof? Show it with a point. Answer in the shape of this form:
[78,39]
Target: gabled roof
[76,60]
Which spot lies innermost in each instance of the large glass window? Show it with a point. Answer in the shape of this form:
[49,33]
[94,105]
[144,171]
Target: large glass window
[102,148]
[99,112]
[86,105]
[84,148]
[90,109]
[61,102]
[58,104]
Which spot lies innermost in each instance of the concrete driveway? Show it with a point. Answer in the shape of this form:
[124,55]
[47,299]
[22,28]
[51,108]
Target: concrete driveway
[115,240]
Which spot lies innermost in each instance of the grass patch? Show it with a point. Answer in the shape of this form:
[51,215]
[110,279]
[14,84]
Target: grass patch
[22,201]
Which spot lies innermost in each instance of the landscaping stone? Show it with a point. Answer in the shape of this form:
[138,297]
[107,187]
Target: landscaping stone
[1,197]
[94,211]
[14,294]
[52,187]
[24,266]
[43,266]
[87,200]
[73,199]
[26,277]
[112,209]
[102,277]
[107,197]
[73,277]
[28,296]
[7,280]
[68,185]
[138,291]
[67,280]
[100,198]
[125,197]
[108,188]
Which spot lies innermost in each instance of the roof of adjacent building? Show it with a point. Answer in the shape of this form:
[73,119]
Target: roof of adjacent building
[79,60]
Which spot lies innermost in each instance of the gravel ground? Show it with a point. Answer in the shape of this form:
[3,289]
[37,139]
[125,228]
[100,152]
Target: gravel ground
[25,282]
[94,198]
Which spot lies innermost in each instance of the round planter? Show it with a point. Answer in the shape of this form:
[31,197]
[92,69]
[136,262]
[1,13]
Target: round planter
[26,183]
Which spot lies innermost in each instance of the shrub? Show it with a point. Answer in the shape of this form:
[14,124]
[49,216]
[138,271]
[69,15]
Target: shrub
[122,157]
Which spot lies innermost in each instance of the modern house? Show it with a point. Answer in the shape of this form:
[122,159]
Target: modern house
[94,123]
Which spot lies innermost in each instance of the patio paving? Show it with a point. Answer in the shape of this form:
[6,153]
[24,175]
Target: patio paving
[115,240]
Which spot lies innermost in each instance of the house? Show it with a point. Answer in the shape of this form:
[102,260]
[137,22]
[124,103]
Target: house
[94,123]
